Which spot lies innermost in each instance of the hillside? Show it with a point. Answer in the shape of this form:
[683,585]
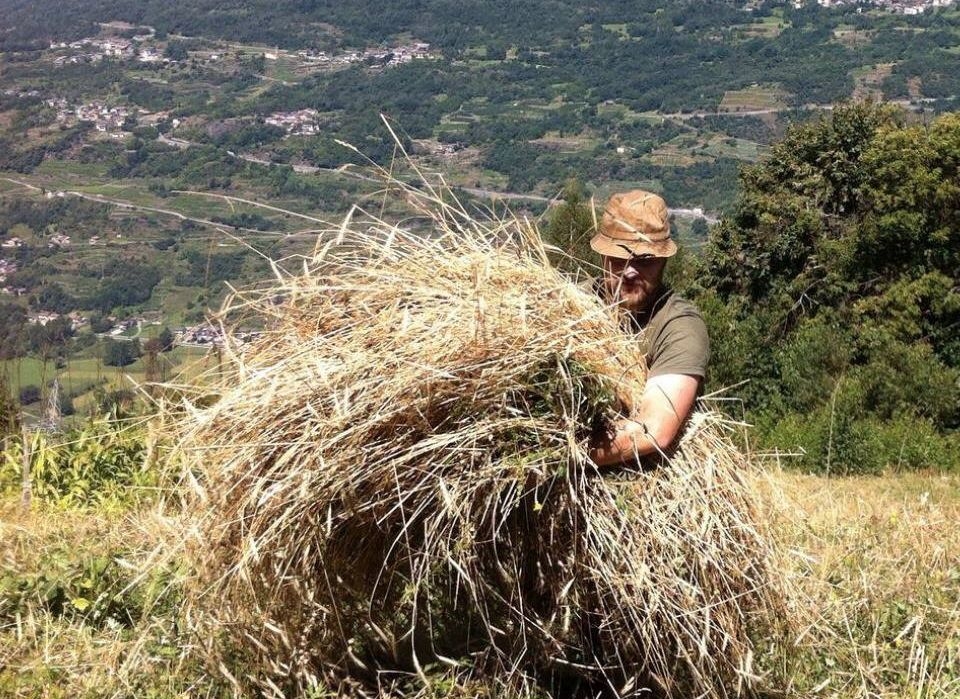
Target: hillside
[85,610]
[154,156]
[146,147]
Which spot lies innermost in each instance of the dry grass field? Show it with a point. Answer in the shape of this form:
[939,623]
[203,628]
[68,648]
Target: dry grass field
[877,558]
[868,81]
[752,99]
[879,561]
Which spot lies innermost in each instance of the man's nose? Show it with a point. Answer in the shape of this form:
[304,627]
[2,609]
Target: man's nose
[630,274]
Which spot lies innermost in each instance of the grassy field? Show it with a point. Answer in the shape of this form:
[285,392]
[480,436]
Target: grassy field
[619,28]
[65,176]
[284,69]
[768,27]
[742,149]
[851,37]
[8,186]
[869,80]
[567,144]
[80,376]
[755,98]
[689,148]
[71,168]
[876,560]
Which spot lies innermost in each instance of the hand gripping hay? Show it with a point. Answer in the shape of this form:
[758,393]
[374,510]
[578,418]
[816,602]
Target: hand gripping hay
[394,480]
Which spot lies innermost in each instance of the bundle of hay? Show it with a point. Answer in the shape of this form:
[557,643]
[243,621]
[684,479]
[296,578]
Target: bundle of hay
[394,484]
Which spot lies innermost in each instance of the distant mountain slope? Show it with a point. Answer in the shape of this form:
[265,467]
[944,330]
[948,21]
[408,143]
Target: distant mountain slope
[301,23]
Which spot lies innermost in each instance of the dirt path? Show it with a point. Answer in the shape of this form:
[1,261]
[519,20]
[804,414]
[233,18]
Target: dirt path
[251,202]
[120,204]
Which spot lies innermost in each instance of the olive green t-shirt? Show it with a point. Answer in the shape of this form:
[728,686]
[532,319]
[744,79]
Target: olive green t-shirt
[674,336]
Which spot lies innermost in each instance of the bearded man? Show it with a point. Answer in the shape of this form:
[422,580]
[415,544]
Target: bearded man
[633,240]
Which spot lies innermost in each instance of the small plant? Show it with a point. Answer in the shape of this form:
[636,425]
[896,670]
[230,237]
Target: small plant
[102,464]
[94,589]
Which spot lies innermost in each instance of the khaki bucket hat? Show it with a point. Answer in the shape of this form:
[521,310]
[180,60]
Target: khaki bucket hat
[634,223]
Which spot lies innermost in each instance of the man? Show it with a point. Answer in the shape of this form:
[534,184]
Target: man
[633,239]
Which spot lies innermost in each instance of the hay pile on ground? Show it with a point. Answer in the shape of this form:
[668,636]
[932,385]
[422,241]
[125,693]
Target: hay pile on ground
[394,484]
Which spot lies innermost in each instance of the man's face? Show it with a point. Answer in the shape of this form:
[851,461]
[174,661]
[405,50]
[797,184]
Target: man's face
[633,282]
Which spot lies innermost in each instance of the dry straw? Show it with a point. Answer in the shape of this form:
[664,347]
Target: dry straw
[393,489]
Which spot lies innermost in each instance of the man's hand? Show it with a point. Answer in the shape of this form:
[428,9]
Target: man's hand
[666,402]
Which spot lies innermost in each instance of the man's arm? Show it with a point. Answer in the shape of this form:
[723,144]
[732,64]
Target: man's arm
[666,402]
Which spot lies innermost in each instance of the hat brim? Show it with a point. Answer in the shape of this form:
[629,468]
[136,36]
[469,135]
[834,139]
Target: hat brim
[625,249]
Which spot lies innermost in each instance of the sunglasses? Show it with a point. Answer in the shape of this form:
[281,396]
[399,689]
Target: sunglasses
[645,260]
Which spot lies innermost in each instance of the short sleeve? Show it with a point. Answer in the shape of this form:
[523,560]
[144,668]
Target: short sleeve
[682,346]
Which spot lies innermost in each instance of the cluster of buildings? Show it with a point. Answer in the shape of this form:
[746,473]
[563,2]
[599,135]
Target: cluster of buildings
[209,335]
[58,240]
[77,321]
[151,55]
[122,326]
[42,317]
[104,118]
[204,334]
[21,93]
[95,50]
[302,122]
[906,7]
[7,267]
[389,56]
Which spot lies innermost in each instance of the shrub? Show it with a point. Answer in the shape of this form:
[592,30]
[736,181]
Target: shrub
[840,439]
[101,464]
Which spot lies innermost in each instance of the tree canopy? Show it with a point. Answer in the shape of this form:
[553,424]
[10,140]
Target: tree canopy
[833,288]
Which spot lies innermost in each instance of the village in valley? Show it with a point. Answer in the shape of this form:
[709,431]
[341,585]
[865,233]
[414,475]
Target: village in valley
[905,7]
[116,120]
[145,48]
[181,136]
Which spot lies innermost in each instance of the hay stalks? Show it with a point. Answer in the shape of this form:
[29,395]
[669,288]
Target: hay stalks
[395,480]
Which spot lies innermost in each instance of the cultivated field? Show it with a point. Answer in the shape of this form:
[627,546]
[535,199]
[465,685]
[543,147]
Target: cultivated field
[755,98]
[869,81]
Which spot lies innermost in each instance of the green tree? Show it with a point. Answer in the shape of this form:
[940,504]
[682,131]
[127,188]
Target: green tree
[833,289]
[100,323]
[120,353]
[571,226]
[166,339]
[9,409]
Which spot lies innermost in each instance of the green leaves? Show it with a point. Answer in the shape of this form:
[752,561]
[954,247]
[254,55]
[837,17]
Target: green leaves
[102,465]
[836,291]
[92,586]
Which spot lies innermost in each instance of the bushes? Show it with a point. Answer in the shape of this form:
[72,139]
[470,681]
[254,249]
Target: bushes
[102,464]
[124,283]
[841,437]
[832,289]
[96,589]
[29,394]
[119,354]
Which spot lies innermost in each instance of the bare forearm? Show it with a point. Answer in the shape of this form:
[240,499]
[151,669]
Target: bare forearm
[631,440]
[666,402]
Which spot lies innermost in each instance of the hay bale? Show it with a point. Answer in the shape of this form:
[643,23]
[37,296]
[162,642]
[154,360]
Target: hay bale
[395,479]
